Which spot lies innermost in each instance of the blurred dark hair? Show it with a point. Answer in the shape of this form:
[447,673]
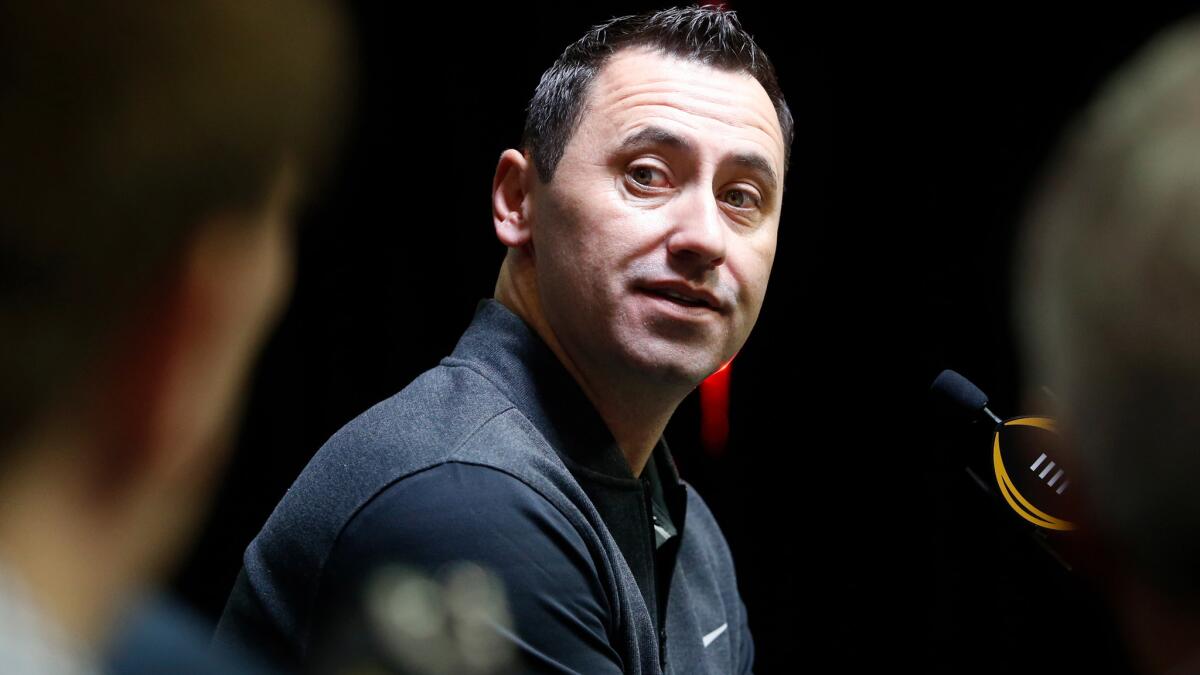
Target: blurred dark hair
[122,127]
[708,35]
[1110,304]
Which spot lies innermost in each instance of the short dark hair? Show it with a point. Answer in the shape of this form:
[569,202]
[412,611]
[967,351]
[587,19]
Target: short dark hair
[709,35]
[125,126]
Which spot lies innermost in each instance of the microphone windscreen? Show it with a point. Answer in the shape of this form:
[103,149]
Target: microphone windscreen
[959,390]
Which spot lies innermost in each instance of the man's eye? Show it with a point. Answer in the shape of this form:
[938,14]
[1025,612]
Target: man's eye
[648,176]
[740,199]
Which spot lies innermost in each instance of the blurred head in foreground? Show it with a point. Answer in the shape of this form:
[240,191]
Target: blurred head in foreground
[151,156]
[1110,300]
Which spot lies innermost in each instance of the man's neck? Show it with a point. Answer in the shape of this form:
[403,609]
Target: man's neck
[636,423]
[75,572]
[635,414]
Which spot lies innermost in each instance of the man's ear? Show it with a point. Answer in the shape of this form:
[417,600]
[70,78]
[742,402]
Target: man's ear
[510,199]
[170,385]
[127,391]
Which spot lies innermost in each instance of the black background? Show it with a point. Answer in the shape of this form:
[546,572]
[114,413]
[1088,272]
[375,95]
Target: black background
[858,539]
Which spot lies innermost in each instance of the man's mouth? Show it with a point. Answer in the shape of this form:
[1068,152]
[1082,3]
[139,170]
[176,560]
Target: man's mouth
[682,294]
[681,299]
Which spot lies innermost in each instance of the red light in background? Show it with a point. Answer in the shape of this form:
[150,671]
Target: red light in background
[714,410]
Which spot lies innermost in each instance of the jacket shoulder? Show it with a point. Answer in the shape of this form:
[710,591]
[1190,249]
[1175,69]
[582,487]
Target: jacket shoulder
[457,519]
[421,426]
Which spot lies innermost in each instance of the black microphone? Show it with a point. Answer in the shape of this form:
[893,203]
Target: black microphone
[1023,460]
[962,392]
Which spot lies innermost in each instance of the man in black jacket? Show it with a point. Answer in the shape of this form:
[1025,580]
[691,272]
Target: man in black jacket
[641,219]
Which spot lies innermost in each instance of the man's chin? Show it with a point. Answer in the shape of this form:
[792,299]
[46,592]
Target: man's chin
[673,368]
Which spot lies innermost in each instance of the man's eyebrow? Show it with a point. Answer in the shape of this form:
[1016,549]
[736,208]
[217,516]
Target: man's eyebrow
[761,165]
[655,136]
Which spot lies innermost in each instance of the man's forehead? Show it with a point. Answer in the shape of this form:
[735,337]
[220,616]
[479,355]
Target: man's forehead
[638,83]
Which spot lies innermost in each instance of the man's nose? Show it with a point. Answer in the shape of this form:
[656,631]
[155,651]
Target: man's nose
[698,231]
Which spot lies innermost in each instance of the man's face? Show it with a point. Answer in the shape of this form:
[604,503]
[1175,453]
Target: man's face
[654,240]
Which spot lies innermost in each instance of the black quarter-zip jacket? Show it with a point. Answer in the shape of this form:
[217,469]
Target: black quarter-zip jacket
[497,457]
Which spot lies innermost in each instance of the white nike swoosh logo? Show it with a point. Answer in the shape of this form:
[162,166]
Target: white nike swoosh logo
[715,634]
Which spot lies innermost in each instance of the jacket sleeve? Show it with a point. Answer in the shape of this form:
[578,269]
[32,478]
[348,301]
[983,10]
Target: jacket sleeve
[452,513]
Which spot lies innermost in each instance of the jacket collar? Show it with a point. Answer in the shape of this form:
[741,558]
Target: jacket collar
[514,358]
